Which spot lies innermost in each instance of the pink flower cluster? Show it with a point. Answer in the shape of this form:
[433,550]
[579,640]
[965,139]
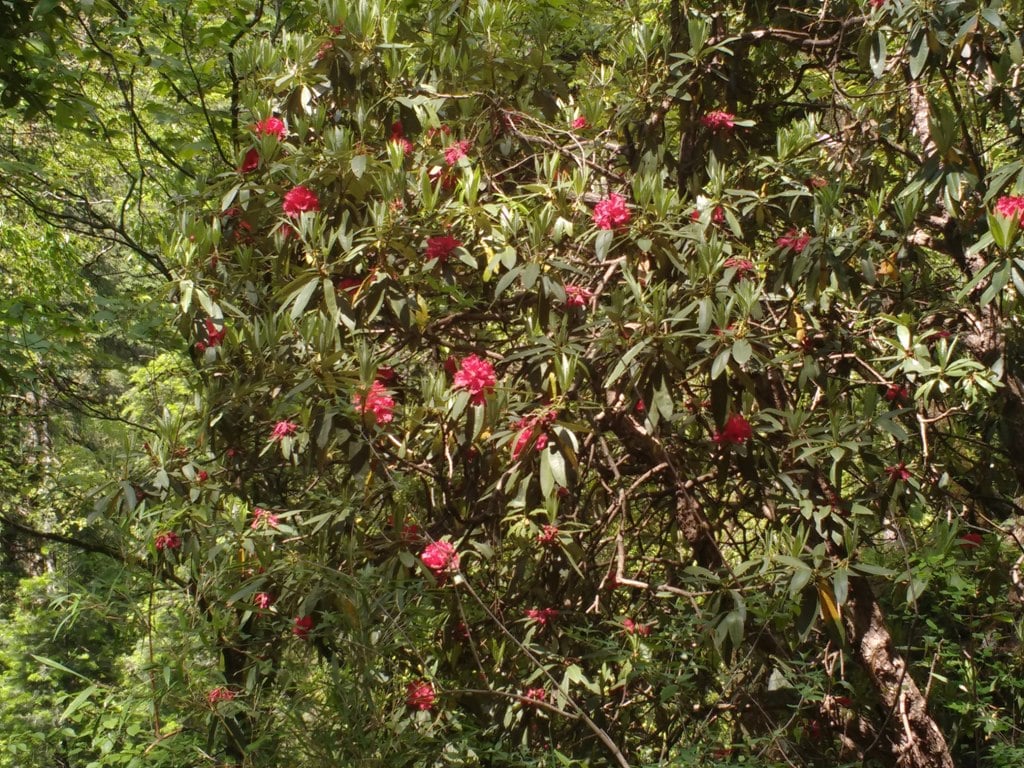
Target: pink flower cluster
[303,626]
[795,241]
[736,430]
[271,126]
[440,557]
[263,600]
[577,296]
[283,429]
[440,247]
[398,137]
[717,215]
[543,616]
[376,401]
[579,123]
[299,200]
[167,540]
[532,429]
[456,151]
[420,695]
[535,694]
[611,212]
[1010,207]
[251,161]
[635,628]
[744,267]
[219,694]
[477,377]
[263,518]
[719,121]
[548,535]
[898,471]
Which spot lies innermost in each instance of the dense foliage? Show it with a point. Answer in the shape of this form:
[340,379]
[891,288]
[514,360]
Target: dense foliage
[567,384]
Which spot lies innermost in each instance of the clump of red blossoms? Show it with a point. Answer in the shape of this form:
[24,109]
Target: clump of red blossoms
[579,123]
[611,213]
[1011,207]
[303,626]
[535,694]
[167,540]
[420,695]
[271,126]
[635,628]
[898,471]
[299,200]
[971,540]
[251,161]
[202,476]
[440,247]
[548,535]
[219,694]
[283,429]
[543,616]
[719,121]
[398,137]
[896,393]
[440,557]
[532,430]
[717,215]
[795,241]
[456,151]
[736,430]
[213,336]
[577,296]
[744,267]
[376,401]
[263,518]
[476,376]
[263,600]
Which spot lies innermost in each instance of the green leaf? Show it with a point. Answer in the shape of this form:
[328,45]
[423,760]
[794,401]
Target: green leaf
[741,351]
[877,54]
[918,53]
[602,243]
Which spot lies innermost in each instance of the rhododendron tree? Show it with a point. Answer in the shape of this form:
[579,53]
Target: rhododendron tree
[766,445]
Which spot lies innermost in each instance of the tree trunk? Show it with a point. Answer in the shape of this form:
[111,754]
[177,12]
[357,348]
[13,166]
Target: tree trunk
[914,736]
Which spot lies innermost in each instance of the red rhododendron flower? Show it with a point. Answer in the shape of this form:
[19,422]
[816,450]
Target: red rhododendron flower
[299,200]
[971,540]
[202,475]
[542,616]
[795,241]
[898,471]
[579,123]
[456,151]
[548,535]
[398,137]
[283,429]
[250,162]
[263,518]
[376,401]
[1010,207]
[303,626]
[386,374]
[611,213]
[219,694]
[475,375]
[420,695]
[577,296]
[896,393]
[167,540]
[736,430]
[719,121]
[635,628]
[440,557]
[744,267]
[263,600]
[535,694]
[876,3]
[440,247]
[271,126]
[213,336]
